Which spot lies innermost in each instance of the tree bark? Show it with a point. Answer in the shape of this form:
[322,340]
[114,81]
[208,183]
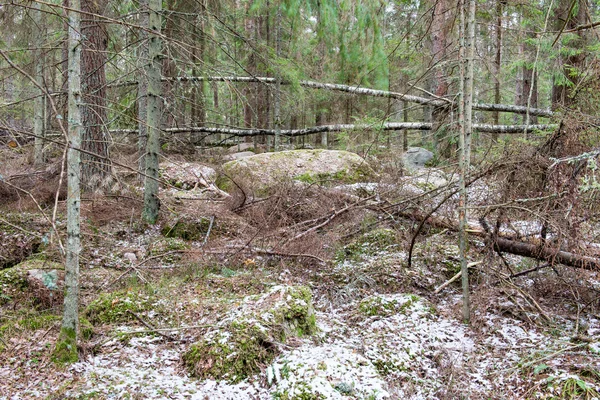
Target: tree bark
[153,72]
[498,62]
[142,91]
[39,103]
[66,348]
[95,169]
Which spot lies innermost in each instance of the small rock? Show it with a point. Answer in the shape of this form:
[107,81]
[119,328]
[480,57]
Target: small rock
[130,256]
[416,157]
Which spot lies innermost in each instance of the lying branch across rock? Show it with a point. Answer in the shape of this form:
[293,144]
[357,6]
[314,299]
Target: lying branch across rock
[388,126]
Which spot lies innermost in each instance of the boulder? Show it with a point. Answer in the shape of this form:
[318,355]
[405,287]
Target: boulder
[416,157]
[311,166]
[40,279]
[241,147]
[238,156]
[186,175]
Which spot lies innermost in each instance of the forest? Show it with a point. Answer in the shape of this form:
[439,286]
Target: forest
[299,199]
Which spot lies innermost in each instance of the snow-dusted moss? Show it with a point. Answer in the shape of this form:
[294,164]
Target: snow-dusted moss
[118,307]
[370,244]
[383,306]
[248,338]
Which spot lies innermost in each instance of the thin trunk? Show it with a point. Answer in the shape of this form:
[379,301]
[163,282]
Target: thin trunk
[153,72]
[467,55]
[39,104]
[142,91]
[277,111]
[405,131]
[66,348]
[498,62]
[96,169]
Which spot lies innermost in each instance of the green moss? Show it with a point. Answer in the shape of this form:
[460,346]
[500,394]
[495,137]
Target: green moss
[295,313]
[369,244]
[189,229]
[379,306]
[240,347]
[86,328]
[117,307]
[301,391]
[164,246]
[233,354]
[65,351]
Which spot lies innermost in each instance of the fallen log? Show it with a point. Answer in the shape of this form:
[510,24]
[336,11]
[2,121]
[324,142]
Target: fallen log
[517,247]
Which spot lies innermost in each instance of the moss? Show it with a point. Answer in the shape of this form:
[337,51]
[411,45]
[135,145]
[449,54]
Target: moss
[379,306]
[232,354]
[164,246]
[65,351]
[242,345]
[301,391]
[295,313]
[86,328]
[190,229]
[117,307]
[369,244]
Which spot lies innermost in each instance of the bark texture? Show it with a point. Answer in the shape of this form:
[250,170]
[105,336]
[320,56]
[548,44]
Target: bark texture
[96,169]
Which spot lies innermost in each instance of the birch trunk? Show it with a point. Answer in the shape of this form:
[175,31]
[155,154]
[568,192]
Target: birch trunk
[153,74]
[66,348]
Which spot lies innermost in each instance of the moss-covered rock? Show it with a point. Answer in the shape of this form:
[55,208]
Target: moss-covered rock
[247,340]
[40,279]
[186,229]
[263,171]
[118,307]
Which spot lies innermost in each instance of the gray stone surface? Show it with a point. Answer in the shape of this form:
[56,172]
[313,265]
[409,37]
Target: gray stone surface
[416,157]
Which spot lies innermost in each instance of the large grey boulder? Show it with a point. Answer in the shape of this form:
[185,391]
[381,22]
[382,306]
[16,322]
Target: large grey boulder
[311,166]
[416,157]
[238,156]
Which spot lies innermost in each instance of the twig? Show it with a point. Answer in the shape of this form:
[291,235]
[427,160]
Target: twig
[212,220]
[530,363]
[335,214]
[179,328]
[150,327]
[19,228]
[455,277]
[528,271]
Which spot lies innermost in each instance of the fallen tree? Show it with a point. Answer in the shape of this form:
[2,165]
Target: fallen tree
[388,126]
[541,251]
[435,102]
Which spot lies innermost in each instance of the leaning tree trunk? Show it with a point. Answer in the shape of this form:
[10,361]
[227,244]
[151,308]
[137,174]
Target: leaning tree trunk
[66,348]
[96,170]
[153,72]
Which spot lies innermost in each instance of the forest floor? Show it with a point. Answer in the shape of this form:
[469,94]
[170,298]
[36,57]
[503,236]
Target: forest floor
[383,330]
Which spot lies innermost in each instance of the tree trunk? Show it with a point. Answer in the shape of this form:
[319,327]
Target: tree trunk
[572,64]
[142,91]
[530,84]
[66,348]
[95,168]
[39,104]
[153,72]
[441,25]
[498,62]
[466,55]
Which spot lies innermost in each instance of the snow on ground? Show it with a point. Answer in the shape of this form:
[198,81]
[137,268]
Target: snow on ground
[383,347]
